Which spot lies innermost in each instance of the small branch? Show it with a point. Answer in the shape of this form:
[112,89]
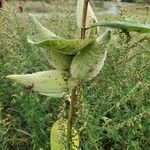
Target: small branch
[84,15]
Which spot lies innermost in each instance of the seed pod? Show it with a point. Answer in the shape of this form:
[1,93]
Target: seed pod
[90,60]
[56,141]
[51,83]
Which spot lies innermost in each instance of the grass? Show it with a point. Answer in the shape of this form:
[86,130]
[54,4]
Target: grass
[117,100]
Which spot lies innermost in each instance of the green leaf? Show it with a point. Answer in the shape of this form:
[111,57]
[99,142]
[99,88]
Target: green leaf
[124,25]
[51,83]
[56,140]
[90,18]
[64,46]
[88,62]
[43,32]
[57,60]
[48,40]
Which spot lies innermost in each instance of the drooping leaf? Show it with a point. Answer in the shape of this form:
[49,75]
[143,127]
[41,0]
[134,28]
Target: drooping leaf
[88,62]
[124,25]
[64,46]
[51,83]
[90,18]
[56,140]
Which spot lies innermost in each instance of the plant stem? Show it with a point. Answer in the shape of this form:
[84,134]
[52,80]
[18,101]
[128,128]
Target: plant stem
[84,16]
[74,96]
[75,90]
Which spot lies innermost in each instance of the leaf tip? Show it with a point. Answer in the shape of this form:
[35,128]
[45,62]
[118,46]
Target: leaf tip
[11,77]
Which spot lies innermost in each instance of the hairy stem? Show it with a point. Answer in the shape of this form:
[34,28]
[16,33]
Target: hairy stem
[84,16]
[74,97]
[74,94]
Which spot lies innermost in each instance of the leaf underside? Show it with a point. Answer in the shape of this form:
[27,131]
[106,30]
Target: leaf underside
[64,46]
[88,62]
[57,60]
[51,83]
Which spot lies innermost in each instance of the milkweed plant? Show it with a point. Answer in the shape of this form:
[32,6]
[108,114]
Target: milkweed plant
[74,60]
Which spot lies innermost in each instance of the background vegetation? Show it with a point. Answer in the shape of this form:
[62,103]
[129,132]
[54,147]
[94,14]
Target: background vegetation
[117,101]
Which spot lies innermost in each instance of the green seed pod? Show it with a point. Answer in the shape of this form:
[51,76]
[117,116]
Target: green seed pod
[90,60]
[51,83]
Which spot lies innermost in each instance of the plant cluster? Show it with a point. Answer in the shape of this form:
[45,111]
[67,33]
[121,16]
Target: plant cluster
[122,77]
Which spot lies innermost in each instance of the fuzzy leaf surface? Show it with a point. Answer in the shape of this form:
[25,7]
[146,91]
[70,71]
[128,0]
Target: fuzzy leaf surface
[51,83]
[64,46]
[43,32]
[88,62]
[57,60]
[46,39]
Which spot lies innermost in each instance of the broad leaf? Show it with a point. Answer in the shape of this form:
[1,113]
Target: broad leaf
[51,83]
[90,18]
[43,32]
[64,46]
[88,62]
[56,141]
[124,25]
[47,39]
[59,61]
